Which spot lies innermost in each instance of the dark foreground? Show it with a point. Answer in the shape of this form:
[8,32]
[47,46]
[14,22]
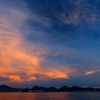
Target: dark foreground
[4,88]
[50,96]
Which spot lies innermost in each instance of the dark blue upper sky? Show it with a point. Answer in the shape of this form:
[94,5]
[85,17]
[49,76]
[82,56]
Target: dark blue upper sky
[55,42]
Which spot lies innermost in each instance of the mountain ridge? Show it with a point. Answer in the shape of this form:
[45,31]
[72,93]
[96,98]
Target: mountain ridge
[5,88]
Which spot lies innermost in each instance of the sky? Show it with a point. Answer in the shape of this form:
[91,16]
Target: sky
[50,43]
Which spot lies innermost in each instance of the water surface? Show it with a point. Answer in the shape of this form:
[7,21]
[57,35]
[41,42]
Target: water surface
[50,96]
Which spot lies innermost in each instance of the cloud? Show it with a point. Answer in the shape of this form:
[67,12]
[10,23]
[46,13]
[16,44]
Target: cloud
[34,47]
[4,79]
[20,60]
[79,12]
[91,72]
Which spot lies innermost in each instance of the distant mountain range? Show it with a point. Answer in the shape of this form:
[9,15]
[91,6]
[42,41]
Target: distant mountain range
[4,88]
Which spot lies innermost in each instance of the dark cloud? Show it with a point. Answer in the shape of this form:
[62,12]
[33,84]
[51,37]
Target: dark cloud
[4,79]
[70,10]
[67,21]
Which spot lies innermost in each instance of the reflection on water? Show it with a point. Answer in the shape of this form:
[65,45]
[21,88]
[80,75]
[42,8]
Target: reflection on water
[50,96]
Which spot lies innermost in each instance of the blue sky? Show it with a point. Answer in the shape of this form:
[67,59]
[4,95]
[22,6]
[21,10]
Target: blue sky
[50,42]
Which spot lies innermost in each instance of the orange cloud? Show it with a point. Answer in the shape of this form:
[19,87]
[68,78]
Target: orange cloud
[59,72]
[91,72]
[21,61]
[15,78]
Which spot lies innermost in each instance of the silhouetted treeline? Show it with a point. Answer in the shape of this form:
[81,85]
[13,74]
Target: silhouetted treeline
[4,88]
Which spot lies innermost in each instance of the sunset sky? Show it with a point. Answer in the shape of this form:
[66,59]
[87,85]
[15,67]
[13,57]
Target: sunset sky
[50,43]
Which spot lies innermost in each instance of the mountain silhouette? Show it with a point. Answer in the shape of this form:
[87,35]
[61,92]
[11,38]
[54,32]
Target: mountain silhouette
[5,88]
